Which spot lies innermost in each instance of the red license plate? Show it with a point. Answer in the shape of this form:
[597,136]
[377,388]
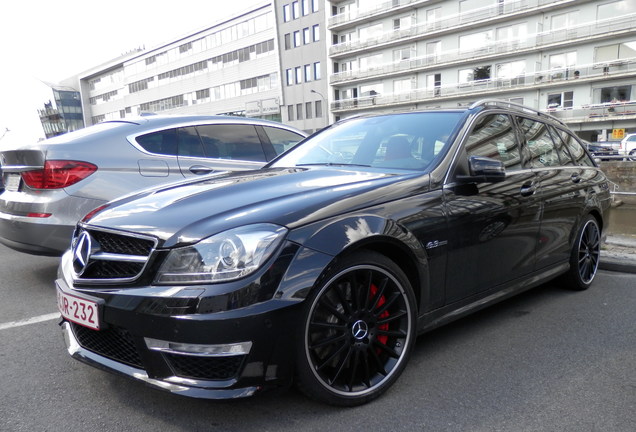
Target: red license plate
[79,310]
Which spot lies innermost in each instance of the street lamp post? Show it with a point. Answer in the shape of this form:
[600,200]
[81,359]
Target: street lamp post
[324,102]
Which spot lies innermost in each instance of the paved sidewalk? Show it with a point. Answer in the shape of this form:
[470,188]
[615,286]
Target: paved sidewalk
[618,253]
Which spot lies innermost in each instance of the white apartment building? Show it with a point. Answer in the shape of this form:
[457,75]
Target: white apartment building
[573,58]
[303,58]
[228,68]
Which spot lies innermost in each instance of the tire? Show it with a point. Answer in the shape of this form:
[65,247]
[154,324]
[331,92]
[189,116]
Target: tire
[585,256]
[358,331]
[632,155]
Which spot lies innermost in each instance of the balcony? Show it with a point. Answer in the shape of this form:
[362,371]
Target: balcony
[623,110]
[435,27]
[357,16]
[544,80]
[529,44]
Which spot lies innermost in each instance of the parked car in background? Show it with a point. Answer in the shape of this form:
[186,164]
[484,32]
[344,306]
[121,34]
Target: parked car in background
[628,146]
[50,185]
[599,150]
[326,264]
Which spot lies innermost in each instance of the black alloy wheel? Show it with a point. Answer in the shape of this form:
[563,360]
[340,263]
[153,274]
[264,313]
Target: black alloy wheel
[358,331]
[585,256]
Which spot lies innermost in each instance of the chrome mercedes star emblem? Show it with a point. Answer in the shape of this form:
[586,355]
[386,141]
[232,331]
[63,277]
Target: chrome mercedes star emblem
[360,329]
[82,252]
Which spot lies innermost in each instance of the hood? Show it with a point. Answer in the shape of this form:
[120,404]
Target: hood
[184,213]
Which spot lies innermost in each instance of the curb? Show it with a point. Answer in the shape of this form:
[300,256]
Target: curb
[618,254]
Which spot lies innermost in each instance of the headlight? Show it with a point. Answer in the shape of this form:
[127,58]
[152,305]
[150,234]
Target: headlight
[223,257]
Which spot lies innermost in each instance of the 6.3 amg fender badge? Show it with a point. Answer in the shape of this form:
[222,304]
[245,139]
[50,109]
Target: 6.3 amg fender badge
[82,252]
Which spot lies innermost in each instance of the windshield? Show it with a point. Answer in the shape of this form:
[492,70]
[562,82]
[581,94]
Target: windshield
[409,141]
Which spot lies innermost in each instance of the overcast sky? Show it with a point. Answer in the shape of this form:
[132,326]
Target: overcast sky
[48,41]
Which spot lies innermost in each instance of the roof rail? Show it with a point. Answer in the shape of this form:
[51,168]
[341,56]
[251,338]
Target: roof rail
[508,104]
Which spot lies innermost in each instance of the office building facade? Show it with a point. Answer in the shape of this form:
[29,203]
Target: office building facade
[229,68]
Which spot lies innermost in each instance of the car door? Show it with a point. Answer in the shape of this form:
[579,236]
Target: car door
[561,188]
[493,227]
[219,147]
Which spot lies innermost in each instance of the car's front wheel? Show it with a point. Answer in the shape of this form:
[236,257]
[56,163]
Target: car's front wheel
[585,255]
[358,331]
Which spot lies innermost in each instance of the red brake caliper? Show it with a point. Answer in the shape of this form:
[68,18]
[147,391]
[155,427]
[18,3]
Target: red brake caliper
[381,338]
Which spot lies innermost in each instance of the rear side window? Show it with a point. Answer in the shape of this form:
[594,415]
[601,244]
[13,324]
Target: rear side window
[189,143]
[542,150]
[163,142]
[575,148]
[236,142]
[282,139]
[493,136]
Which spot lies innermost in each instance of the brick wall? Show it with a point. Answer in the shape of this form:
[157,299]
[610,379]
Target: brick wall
[624,175]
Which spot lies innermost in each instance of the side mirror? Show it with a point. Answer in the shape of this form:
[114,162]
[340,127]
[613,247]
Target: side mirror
[484,170]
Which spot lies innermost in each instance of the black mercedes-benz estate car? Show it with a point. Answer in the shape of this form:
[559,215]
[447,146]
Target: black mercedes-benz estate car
[323,267]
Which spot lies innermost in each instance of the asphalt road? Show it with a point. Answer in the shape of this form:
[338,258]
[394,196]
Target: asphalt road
[548,360]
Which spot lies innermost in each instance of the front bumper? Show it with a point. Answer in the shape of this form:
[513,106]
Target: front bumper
[126,345]
[173,384]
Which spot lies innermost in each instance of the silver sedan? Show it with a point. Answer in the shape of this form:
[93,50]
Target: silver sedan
[49,186]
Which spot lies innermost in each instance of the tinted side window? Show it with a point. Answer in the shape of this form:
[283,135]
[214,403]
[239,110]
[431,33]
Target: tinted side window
[236,142]
[189,142]
[575,148]
[542,150]
[282,139]
[564,153]
[493,136]
[163,142]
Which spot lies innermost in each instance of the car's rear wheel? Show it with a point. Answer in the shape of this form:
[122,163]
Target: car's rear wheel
[358,331]
[632,155]
[585,255]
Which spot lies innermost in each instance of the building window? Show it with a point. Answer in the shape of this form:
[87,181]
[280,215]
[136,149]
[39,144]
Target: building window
[433,51]
[315,5]
[613,52]
[402,54]
[610,11]
[561,100]
[307,70]
[308,113]
[478,73]
[305,7]
[564,20]
[299,77]
[287,41]
[286,13]
[317,71]
[295,11]
[289,73]
[476,41]
[296,39]
[613,94]
[299,111]
[306,36]
[316,32]
[318,105]
[290,112]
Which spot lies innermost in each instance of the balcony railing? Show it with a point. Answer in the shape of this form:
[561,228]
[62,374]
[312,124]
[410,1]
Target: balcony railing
[600,111]
[529,43]
[358,14]
[441,24]
[542,79]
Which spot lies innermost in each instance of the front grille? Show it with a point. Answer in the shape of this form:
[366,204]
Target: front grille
[103,256]
[122,244]
[114,343]
[205,368]
[112,270]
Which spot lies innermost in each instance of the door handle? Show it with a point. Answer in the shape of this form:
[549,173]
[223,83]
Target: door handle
[575,178]
[200,169]
[527,189]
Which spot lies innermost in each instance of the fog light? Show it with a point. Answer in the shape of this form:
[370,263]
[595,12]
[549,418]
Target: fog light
[220,350]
